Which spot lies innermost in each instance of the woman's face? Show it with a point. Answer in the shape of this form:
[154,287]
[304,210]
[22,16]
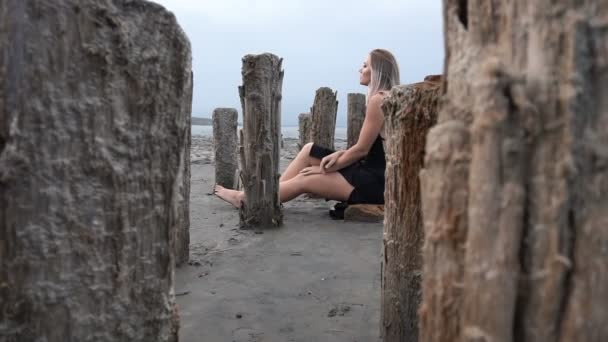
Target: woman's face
[365,72]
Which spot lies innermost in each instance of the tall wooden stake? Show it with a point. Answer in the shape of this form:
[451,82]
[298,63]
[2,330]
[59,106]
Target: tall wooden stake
[261,100]
[356,115]
[323,113]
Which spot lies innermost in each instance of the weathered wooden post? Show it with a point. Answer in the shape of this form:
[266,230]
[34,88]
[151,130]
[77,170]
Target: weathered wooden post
[261,100]
[94,129]
[225,142]
[356,115]
[324,111]
[515,184]
[410,111]
[304,126]
[182,202]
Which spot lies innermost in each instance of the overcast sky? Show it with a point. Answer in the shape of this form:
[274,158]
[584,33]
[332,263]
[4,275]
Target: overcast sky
[322,43]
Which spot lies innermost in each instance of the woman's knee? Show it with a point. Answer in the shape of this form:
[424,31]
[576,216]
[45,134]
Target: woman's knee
[305,151]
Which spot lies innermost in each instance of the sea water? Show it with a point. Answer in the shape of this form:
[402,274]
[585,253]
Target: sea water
[287,131]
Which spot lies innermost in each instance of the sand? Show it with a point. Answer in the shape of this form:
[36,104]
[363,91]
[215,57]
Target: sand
[314,279]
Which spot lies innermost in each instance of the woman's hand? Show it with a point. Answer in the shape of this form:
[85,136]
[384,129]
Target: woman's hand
[328,161]
[311,170]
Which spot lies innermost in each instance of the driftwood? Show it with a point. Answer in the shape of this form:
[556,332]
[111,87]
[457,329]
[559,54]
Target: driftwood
[261,101]
[364,213]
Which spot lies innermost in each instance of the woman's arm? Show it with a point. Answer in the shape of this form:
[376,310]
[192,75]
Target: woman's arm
[372,124]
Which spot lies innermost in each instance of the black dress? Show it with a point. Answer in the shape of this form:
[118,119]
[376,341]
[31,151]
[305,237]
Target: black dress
[366,175]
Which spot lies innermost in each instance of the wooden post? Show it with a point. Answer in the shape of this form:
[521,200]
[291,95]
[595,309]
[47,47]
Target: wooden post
[225,141]
[94,129]
[410,110]
[515,186]
[182,202]
[304,125]
[324,111]
[261,100]
[356,115]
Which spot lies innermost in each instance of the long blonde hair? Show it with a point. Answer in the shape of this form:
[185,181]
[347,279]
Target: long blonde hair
[385,72]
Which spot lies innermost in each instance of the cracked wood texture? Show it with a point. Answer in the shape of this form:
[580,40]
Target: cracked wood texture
[261,94]
[225,145]
[410,111]
[94,136]
[304,123]
[181,205]
[323,112]
[355,116]
[515,185]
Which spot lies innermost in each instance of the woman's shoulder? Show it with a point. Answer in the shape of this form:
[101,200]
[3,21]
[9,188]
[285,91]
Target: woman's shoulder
[378,98]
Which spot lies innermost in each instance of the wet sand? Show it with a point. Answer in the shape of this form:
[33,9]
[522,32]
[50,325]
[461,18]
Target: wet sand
[314,279]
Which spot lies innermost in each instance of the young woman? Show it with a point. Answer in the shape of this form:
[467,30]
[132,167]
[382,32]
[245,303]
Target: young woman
[355,175]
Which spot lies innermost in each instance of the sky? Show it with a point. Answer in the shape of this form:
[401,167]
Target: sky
[323,43]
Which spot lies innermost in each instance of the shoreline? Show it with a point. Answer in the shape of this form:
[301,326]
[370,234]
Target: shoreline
[202,150]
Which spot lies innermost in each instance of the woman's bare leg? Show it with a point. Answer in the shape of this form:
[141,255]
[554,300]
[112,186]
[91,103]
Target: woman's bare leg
[302,160]
[330,185]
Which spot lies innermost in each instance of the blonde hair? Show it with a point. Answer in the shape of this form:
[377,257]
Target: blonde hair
[385,72]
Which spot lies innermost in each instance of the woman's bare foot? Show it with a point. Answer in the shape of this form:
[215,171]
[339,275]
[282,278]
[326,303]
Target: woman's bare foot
[233,197]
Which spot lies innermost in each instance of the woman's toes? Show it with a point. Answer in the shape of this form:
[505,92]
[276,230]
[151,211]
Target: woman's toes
[231,196]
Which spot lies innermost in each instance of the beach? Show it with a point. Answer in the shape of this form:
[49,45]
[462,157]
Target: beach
[201,151]
[313,279]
